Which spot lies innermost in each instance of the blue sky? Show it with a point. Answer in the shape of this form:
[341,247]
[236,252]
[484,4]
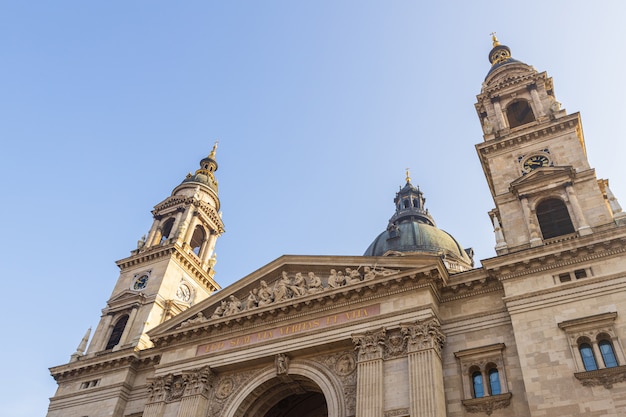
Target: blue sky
[319,107]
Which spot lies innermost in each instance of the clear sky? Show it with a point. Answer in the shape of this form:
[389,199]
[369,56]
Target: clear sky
[319,106]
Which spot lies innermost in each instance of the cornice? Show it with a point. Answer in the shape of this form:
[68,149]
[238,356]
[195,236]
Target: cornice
[107,361]
[529,133]
[568,252]
[515,79]
[172,250]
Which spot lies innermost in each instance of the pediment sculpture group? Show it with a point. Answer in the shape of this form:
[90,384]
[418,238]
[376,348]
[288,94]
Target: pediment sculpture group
[287,287]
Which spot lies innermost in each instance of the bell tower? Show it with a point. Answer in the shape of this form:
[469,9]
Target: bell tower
[171,268]
[535,162]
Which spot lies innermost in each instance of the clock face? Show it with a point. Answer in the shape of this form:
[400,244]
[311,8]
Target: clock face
[141,282]
[183,293]
[535,161]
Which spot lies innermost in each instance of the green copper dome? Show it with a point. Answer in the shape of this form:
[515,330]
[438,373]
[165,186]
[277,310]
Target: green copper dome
[412,230]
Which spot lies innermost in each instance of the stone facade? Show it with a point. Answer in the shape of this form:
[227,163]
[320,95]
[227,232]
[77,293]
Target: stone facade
[536,331]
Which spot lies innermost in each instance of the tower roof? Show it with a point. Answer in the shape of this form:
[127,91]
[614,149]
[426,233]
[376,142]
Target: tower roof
[499,55]
[204,175]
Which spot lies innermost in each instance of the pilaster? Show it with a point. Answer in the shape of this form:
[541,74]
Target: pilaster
[369,384]
[424,343]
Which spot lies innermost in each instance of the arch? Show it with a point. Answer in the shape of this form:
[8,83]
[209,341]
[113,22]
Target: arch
[586,354]
[554,219]
[327,383]
[166,230]
[607,350]
[197,239]
[519,113]
[478,387]
[493,374]
[116,333]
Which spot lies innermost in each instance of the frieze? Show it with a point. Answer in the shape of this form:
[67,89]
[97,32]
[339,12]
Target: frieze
[291,329]
[291,287]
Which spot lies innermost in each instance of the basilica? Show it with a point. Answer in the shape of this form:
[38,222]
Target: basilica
[411,327]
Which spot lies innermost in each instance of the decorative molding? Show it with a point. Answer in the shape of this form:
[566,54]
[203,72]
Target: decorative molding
[605,377]
[487,404]
[399,412]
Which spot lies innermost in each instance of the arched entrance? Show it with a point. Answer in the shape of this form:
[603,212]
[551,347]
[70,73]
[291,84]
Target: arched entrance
[308,390]
[292,396]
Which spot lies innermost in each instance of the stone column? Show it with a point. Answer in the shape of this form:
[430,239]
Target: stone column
[158,389]
[180,212]
[535,240]
[152,232]
[500,122]
[501,246]
[424,343]
[536,100]
[184,225]
[195,401]
[369,385]
[583,227]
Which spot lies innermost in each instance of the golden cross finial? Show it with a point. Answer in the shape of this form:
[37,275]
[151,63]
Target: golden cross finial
[408,176]
[494,39]
[212,154]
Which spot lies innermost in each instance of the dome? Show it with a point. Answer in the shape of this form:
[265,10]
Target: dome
[412,230]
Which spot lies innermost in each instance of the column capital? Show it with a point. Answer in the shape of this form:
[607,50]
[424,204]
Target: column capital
[370,345]
[198,381]
[423,335]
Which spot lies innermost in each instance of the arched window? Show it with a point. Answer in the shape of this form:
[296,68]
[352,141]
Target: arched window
[494,381]
[477,384]
[586,353]
[553,218]
[519,113]
[166,230]
[607,351]
[197,239]
[116,334]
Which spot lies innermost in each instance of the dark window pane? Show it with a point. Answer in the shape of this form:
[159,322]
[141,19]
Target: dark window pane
[608,355]
[587,355]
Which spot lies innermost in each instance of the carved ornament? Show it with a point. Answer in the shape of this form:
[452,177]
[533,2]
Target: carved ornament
[487,404]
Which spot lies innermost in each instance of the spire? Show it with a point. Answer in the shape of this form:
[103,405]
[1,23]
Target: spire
[495,40]
[82,346]
[408,176]
[499,54]
[204,174]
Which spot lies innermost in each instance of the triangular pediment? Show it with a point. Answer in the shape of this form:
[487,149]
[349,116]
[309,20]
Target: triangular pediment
[124,300]
[542,179]
[292,284]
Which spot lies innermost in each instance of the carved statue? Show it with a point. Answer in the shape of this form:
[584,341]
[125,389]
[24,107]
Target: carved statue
[266,295]
[334,280]
[281,289]
[299,286]
[234,306]
[315,284]
[353,276]
[252,301]
[220,310]
[369,273]
[141,242]
[282,364]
